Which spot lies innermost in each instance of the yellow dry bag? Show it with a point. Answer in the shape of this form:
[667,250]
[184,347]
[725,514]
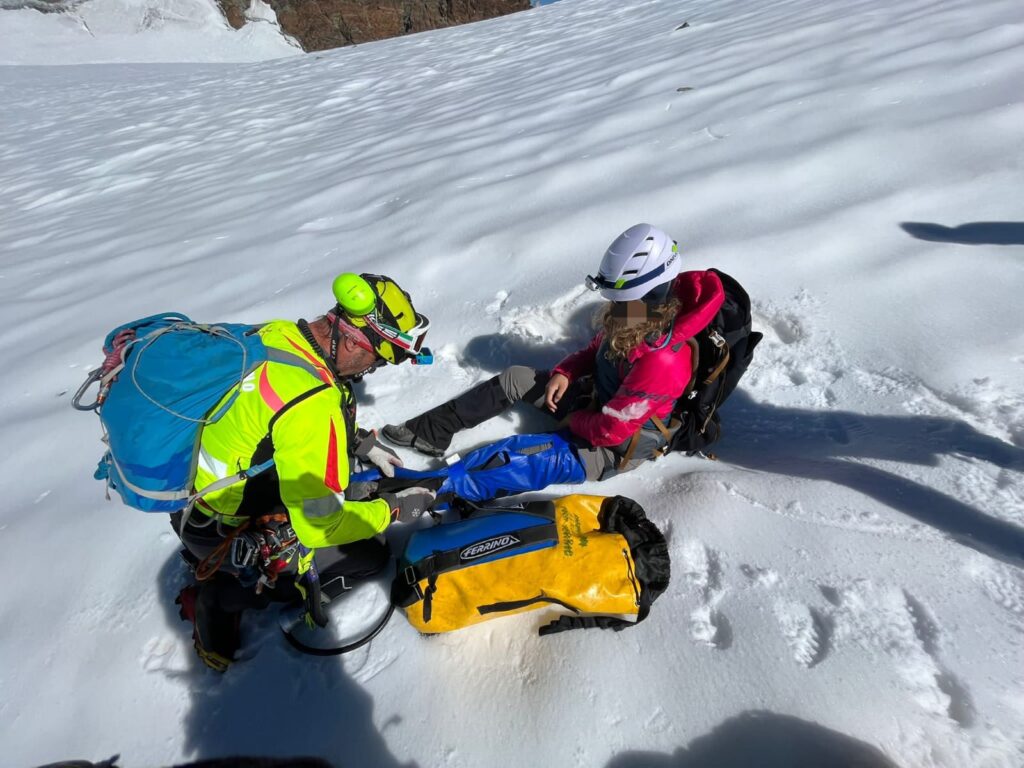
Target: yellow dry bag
[595,560]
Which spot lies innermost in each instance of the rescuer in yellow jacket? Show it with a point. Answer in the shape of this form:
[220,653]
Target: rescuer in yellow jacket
[301,414]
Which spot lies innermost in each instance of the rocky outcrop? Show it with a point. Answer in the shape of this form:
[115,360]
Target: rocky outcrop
[321,24]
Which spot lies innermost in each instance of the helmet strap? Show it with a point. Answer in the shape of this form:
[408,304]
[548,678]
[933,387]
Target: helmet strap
[335,337]
[307,334]
[339,328]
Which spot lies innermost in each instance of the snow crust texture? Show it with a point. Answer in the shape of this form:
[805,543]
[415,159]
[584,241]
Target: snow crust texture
[847,579]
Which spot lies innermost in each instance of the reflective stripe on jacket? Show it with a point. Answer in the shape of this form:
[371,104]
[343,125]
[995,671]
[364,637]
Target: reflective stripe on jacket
[653,377]
[311,446]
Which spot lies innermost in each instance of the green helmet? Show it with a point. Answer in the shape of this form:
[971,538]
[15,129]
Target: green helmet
[377,305]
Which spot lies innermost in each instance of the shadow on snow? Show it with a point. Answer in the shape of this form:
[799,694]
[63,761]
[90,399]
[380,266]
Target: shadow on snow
[975,233]
[766,740]
[277,705]
[819,445]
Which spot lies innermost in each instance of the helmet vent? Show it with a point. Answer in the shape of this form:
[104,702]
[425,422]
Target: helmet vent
[640,259]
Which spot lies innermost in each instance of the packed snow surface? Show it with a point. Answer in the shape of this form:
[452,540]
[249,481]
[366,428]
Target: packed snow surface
[847,579]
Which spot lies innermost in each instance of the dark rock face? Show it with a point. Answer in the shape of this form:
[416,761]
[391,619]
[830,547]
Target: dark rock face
[322,24]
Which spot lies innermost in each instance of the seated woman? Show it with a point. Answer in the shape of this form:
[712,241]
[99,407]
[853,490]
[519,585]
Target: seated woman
[619,391]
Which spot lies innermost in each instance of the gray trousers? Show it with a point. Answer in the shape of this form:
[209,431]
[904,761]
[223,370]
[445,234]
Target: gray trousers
[525,384]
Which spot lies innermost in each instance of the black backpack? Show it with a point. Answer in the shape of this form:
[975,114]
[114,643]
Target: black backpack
[720,354]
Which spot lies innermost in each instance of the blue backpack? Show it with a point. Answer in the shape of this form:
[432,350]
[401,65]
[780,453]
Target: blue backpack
[163,376]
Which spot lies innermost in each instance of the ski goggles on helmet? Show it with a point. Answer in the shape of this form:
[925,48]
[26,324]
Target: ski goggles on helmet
[384,313]
[659,294]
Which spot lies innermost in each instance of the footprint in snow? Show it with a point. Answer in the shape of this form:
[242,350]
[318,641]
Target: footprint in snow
[759,577]
[807,630]
[891,624]
[788,329]
[843,430]
[961,707]
[702,571]
[1006,591]
[159,654]
[1002,586]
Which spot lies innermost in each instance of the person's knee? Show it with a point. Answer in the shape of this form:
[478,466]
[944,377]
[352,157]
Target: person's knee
[517,380]
[597,462]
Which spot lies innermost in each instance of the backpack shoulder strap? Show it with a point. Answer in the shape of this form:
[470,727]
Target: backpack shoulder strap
[723,347]
[262,458]
[694,364]
[264,453]
[275,355]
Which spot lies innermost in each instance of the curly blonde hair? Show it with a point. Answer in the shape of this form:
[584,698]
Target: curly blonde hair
[623,338]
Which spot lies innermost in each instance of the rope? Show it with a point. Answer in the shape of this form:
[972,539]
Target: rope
[115,355]
[212,563]
[310,650]
[152,337]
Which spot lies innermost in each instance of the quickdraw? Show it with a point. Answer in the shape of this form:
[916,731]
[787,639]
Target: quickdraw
[268,548]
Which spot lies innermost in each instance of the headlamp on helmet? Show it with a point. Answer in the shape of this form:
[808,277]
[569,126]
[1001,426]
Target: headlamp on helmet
[640,264]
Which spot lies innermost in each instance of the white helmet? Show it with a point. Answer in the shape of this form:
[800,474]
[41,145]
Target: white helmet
[641,259]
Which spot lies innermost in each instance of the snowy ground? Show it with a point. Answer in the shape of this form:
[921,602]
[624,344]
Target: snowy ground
[847,581]
[131,31]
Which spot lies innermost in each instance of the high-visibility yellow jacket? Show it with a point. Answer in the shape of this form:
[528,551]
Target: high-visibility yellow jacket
[311,443]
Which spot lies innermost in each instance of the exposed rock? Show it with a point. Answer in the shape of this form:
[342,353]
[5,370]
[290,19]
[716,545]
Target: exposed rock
[43,6]
[322,24]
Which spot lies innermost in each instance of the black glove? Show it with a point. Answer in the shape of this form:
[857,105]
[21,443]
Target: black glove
[409,502]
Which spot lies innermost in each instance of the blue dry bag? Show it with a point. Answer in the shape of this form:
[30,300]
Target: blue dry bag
[513,465]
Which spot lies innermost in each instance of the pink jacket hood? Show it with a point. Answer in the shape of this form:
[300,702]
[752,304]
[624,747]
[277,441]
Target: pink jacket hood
[655,375]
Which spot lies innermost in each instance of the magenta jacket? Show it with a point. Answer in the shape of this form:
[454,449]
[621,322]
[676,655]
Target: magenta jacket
[655,375]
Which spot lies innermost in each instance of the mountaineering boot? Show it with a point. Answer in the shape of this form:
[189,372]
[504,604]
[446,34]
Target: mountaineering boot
[399,434]
[215,632]
[431,433]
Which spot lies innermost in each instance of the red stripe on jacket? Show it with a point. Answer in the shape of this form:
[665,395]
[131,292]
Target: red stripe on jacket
[331,473]
[270,397]
[325,375]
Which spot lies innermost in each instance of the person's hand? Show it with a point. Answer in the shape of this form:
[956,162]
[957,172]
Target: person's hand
[556,387]
[409,502]
[374,451]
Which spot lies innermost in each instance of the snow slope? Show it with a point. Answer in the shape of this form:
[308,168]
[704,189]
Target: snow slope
[133,31]
[847,580]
